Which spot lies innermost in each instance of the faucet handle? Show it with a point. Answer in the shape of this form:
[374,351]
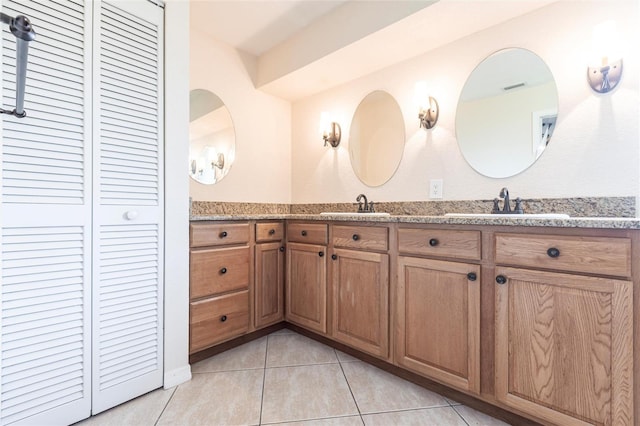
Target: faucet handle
[371,207]
[496,206]
[519,209]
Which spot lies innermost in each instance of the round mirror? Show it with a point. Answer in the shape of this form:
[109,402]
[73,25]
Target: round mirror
[212,139]
[376,138]
[507,113]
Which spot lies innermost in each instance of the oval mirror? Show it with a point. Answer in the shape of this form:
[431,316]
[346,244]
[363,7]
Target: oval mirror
[507,113]
[212,139]
[376,138]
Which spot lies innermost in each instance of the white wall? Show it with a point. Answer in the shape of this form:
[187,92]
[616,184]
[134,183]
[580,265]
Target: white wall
[594,150]
[262,168]
[176,251]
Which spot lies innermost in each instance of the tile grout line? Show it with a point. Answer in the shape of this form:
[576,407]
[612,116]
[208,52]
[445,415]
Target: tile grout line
[264,378]
[349,386]
[166,405]
[461,416]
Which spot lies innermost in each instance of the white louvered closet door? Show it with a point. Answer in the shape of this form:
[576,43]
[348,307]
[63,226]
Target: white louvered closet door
[45,292]
[128,201]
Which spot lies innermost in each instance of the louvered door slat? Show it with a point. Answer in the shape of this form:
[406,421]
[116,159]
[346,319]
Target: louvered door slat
[45,261]
[127,328]
[30,168]
[44,339]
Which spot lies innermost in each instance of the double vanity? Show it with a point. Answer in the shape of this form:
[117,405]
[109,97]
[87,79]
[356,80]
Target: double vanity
[533,315]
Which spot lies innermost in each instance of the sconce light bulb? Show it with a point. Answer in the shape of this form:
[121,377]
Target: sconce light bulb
[333,136]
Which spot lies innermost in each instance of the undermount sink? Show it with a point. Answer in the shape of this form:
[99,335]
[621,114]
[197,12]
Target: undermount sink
[375,214]
[510,216]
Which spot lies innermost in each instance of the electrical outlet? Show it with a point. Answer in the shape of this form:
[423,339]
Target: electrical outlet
[435,188]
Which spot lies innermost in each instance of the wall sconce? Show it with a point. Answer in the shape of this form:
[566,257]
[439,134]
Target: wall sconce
[219,163]
[606,44]
[331,131]
[428,109]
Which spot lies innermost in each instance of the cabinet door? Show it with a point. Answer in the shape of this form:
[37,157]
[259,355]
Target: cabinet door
[269,284]
[307,286]
[564,347]
[438,320]
[361,300]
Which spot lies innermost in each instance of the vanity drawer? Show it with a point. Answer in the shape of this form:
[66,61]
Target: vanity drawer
[311,233]
[595,255]
[440,242]
[361,237]
[217,319]
[269,231]
[218,270]
[217,234]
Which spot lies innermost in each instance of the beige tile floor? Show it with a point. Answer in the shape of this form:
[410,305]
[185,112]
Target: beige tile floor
[289,379]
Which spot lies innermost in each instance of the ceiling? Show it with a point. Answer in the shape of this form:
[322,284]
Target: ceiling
[256,26]
[296,43]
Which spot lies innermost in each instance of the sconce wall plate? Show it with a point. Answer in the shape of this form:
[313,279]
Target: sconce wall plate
[332,135]
[605,78]
[429,117]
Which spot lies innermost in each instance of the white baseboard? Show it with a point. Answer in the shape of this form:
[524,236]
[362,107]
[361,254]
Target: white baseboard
[177,376]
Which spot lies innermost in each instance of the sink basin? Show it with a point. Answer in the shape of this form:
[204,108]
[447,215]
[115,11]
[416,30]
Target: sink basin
[381,214]
[510,216]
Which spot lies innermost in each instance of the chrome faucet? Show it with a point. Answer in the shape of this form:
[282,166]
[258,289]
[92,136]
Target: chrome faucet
[506,208]
[366,206]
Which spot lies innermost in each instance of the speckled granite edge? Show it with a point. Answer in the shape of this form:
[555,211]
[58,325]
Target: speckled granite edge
[618,207]
[594,212]
[213,208]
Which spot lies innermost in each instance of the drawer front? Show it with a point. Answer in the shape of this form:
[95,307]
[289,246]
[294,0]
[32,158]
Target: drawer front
[311,233]
[440,242]
[218,234]
[361,237]
[596,255]
[217,319]
[269,231]
[218,270]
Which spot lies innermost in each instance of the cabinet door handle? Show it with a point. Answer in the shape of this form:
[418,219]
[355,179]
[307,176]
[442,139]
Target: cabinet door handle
[501,279]
[471,276]
[282,249]
[433,242]
[223,234]
[320,253]
[223,270]
[304,233]
[356,237]
[223,318]
[272,231]
[334,256]
[553,252]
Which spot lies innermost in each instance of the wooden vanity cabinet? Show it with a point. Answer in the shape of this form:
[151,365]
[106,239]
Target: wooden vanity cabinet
[306,277]
[563,340]
[360,288]
[219,280]
[438,306]
[269,273]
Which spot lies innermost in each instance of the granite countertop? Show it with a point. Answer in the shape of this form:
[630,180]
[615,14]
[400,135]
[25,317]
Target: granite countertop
[572,222]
